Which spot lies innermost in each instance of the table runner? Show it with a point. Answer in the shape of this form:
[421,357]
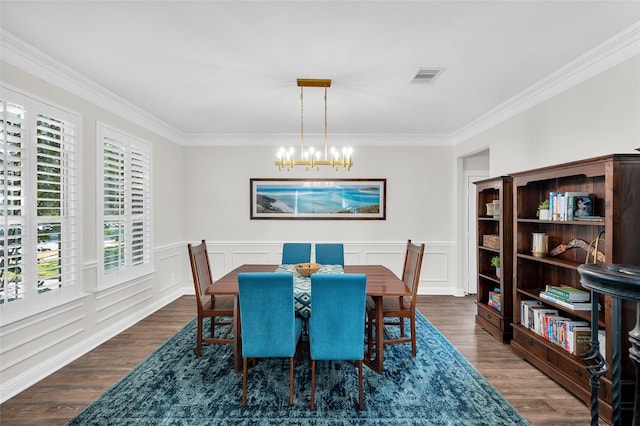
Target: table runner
[302,286]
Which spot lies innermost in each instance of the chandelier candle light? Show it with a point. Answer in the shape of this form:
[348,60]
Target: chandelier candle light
[313,157]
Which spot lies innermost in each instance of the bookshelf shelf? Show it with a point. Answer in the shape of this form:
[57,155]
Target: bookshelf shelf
[562,263]
[496,230]
[610,181]
[564,222]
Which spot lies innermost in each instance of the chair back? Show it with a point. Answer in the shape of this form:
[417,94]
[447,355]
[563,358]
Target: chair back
[412,267]
[267,314]
[293,253]
[330,254]
[201,270]
[336,324]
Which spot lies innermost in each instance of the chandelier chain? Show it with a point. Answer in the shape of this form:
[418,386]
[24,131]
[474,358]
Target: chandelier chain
[301,120]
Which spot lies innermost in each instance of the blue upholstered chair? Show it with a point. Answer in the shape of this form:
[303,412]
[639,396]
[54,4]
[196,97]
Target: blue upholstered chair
[336,325]
[293,253]
[270,328]
[330,254]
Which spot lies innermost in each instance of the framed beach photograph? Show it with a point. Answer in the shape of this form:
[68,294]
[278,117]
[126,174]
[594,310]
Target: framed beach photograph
[318,199]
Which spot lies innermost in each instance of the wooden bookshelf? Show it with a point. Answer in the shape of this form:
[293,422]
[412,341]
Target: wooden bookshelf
[494,238]
[614,182]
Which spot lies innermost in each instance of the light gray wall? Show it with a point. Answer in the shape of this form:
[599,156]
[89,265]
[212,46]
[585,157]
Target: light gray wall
[418,196]
[598,117]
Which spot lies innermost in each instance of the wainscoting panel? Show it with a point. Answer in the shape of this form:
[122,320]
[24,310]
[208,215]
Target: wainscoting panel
[438,269]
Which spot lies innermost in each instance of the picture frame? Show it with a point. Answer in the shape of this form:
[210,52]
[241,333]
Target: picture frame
[318,199]
[582,205]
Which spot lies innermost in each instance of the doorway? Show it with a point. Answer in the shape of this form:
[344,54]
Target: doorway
[475,167]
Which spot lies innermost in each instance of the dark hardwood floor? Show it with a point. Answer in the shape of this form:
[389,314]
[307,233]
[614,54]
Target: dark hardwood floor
[59,397]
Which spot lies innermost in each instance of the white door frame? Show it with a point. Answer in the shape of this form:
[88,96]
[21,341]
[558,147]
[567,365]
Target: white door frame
[470,278]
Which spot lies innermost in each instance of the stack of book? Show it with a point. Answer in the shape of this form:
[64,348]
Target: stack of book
[495,300]
[567,297]
[573,336]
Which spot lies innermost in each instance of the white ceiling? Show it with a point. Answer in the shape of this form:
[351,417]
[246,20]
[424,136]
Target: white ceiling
[228,68]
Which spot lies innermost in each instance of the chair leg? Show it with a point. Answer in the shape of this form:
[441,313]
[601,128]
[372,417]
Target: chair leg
[291,364]
[244,382]
[313,383]
[369,338]
[213,323]
[413,335]
[199,338]
[401,327]
[359,364]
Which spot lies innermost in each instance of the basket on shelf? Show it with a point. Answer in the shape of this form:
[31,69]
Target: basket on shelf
[491,241]
[306,269]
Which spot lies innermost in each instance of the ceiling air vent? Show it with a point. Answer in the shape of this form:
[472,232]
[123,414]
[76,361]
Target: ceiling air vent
[427,75]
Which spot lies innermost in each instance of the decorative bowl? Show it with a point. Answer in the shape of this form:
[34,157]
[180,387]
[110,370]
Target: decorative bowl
[306,269]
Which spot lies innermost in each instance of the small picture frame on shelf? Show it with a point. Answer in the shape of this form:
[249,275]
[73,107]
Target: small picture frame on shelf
[582,206]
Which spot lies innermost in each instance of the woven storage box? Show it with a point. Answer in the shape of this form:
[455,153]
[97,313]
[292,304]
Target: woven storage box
[491,241]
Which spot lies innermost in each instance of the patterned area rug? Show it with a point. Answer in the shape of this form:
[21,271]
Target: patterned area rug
[173,387]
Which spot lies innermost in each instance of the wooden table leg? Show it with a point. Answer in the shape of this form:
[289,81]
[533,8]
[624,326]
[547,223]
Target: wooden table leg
[377,364]
[237,332]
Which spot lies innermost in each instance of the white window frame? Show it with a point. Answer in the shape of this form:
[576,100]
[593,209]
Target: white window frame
[135,208]
[68,251]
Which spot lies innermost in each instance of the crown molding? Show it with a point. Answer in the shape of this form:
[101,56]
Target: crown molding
[608,54]
[335,139]
[26,57]
[612,52]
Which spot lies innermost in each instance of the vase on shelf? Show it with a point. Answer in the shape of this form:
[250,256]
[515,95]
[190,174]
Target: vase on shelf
[540,245]
[545,214]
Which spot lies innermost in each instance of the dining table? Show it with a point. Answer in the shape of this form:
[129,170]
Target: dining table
[381,282]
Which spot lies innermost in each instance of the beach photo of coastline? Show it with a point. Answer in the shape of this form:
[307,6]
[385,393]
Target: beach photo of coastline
[318,199]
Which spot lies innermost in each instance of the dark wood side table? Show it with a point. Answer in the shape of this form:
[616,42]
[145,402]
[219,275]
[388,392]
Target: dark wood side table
[620,282]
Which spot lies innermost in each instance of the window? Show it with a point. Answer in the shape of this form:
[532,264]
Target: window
[125,206]
[39,197]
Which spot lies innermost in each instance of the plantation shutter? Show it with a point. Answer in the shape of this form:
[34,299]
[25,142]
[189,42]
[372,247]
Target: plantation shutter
[126,212]
[57,198]
[12,191]
[39,238]
[114,204]
[140,204]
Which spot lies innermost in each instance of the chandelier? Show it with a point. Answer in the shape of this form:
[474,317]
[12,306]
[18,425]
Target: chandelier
[314,157]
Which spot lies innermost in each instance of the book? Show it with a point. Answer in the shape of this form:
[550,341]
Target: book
[571,327]
[590,218]
[574,306]
[580,341]
[538,319]
[495,300]
[567,293]
[602,341]
[525,310]
[553,205]
[554,328]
